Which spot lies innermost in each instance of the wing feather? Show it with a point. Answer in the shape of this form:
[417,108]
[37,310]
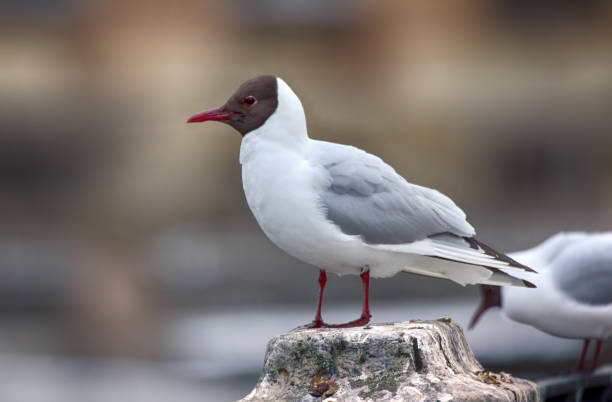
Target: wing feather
[365,197]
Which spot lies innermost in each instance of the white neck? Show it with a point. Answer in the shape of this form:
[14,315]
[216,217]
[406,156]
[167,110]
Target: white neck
[285,127]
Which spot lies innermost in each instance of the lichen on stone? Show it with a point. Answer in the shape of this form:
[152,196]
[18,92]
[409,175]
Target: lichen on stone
[420,360]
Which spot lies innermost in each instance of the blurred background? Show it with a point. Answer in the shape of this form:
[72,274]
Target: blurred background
[130,265]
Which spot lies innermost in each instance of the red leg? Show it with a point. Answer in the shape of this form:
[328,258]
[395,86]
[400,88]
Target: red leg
[318,321]
[596,356]
[365,310]
[583,354]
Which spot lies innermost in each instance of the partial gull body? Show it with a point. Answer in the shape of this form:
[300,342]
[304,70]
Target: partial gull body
[573,298]
[343,210]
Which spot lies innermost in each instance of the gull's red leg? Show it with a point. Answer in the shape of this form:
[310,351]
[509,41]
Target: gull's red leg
[365,310]
[583,354]
[596,356]
[318,320]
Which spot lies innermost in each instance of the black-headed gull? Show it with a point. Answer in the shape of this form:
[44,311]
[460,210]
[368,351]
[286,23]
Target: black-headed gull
[574,294]
[344,210]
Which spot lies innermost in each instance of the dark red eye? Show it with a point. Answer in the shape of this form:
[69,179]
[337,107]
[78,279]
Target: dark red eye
[249,100]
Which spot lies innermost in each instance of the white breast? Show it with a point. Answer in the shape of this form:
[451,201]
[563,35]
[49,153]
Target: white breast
[280,186]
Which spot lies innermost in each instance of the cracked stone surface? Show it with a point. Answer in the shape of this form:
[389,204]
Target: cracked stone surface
[413,361]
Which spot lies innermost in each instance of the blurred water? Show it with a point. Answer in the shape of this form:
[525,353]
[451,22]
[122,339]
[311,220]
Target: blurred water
[214,345]
[218,356]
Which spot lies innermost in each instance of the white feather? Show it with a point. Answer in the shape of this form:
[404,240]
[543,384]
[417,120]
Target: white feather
[284,177]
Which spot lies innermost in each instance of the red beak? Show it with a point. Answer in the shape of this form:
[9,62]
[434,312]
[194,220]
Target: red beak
[491,297]
[484,307]
[213,114]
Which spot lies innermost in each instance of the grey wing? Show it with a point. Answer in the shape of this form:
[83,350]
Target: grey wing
[584,271]
[366,197]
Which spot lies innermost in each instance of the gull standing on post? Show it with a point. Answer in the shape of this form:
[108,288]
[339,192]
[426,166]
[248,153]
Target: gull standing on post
[342,209]
[574,295]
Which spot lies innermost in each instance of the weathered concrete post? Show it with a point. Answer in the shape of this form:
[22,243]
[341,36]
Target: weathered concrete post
[412,361]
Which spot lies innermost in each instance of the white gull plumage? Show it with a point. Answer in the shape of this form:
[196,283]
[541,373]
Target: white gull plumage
[574,280]
[344,210]
[288,178]
[573,298]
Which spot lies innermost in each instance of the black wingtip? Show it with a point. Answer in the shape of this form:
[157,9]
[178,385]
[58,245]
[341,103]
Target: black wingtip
[529,284]
[475,244]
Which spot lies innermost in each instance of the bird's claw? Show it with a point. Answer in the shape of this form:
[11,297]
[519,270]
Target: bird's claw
[360,322]
[311,325]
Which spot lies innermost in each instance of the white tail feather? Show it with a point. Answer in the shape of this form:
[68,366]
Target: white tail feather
[461,264]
